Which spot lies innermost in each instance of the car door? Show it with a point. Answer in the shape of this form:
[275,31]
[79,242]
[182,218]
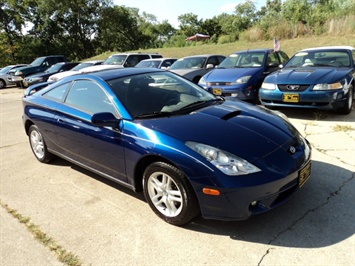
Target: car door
[98,148]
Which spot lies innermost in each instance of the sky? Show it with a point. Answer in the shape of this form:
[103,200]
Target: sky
[171,9]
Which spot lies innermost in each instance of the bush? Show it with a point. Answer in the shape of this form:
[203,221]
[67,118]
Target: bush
[252,35]
[226,39]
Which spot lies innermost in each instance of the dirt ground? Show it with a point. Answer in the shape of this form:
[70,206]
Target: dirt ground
[103,223]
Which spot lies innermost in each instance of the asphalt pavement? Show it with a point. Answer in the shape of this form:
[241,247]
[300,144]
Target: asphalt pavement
[102,223]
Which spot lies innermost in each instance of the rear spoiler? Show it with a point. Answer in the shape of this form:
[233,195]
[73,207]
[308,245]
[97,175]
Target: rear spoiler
[36,87]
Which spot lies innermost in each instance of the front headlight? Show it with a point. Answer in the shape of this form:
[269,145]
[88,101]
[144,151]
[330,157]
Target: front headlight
[202,81]
[268,86]
[242,80]
[18,73]
[36,79]
[226,162]
[326,87]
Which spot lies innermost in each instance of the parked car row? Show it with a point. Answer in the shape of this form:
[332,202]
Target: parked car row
[320,77]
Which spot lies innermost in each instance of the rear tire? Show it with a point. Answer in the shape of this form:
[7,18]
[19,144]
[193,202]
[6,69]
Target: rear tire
[169,194]
[38,145]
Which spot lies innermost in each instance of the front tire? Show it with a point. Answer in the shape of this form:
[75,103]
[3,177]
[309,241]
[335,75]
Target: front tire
[169,194]
[38,146]
[2,84]
[346,109]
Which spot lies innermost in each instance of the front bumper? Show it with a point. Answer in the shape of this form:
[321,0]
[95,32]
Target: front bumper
[241,203]
[14,78]
[327,100]
[242,92]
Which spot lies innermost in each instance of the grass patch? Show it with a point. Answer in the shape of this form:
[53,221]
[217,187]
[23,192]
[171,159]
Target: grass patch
[344,128]
[63,255]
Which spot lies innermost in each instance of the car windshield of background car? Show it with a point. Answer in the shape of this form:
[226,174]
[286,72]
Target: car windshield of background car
[115,60]
[187,63]
[53,69]
[322,58]
[81,66]
[37,62]
[5,70]
[246,60]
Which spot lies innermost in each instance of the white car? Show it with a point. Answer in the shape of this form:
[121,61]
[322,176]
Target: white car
[75,70]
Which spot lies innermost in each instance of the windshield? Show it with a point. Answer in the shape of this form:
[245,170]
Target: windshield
[160,94]
[190,62]
[247,60]
[5,70]
[115,60]
[81,66]
[148,63]
[320,58]
[54,68]
[37,62]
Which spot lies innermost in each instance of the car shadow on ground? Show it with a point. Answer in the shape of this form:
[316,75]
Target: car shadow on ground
[320,214]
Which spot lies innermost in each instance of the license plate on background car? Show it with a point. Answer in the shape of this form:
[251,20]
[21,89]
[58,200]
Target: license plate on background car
[217,91]
[25,83]
[304,174]
[291,97]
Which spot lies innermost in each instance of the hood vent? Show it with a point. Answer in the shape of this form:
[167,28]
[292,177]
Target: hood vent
[231,115]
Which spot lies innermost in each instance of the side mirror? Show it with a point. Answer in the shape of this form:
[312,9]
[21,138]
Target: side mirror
[104,120]
[209,66]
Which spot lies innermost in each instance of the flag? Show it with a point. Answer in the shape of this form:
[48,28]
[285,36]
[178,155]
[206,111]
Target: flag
[276,45]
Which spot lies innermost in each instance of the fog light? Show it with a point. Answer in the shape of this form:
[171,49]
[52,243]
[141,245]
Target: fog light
[254,203]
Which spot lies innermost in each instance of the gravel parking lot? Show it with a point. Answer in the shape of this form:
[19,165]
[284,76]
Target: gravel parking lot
[102,223]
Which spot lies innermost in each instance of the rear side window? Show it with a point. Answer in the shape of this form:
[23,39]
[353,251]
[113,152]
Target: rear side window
[58,93]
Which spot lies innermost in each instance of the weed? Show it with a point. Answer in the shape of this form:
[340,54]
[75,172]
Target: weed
[63,255]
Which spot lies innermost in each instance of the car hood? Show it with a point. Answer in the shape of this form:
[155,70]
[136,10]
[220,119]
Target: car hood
[229,74]
[310,75]
[242,129]
[63,74]
[183,72]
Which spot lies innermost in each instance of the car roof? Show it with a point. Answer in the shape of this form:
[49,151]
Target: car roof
[157,59]
[338,47]
[202,55]
[254,50]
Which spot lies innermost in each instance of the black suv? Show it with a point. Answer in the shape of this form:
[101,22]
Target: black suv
[129,59]
[40,64]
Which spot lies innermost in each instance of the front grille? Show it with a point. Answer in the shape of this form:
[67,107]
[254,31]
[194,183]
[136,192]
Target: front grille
[284,87]
[218,83]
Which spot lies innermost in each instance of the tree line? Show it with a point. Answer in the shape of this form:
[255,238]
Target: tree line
[82,29]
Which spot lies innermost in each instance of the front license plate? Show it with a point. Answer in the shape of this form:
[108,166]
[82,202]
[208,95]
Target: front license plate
[25,84]
[217,91]
[304,174]
[291,98]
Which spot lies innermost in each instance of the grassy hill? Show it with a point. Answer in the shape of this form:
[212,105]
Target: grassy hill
[289,46]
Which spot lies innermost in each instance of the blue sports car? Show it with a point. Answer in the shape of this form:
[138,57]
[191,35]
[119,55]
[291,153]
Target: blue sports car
[322,77]
[240,75]
[188,150]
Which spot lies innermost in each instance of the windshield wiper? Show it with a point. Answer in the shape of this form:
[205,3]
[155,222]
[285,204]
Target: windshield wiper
[202,103]
[153,114]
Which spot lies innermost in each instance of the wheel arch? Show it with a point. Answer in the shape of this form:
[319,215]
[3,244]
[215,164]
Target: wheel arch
[142,164]
[28,124]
